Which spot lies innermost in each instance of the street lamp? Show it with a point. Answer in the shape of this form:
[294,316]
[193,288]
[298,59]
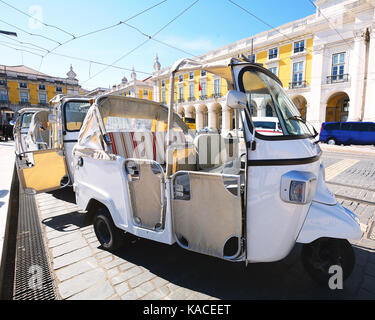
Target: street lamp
[9,33]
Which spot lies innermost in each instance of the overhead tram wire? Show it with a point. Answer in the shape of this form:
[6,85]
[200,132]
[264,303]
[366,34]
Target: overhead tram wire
[267,24]
[330,25]
[30,16]
[144,42]
[82,59]
[50,51]
[29,33]
[105,28]
[333,28]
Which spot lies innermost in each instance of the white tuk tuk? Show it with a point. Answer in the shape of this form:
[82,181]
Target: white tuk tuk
[44,155]
[139,170]
[22,126]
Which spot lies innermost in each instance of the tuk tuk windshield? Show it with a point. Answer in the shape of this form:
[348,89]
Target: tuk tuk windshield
[26,120]
[75,112]
[266,98]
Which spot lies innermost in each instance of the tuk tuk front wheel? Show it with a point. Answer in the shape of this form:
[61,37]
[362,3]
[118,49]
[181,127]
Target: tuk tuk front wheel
[109,236]
[320,255]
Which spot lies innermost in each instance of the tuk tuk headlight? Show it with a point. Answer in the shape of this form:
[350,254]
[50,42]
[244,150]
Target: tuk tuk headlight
[298,187]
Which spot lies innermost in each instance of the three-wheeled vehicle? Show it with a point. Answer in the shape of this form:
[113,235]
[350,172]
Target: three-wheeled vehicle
[22,126]
[139,170]
[44,162]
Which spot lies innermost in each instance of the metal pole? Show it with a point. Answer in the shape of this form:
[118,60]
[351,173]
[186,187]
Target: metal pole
[170,119]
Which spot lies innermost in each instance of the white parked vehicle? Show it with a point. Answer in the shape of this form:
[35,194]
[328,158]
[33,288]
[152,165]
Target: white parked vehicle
[44,155]
[199,192]
[267,125]
[22,126]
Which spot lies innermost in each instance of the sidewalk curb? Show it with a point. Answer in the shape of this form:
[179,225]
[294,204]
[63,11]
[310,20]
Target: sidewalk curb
[9,246]
[347,149]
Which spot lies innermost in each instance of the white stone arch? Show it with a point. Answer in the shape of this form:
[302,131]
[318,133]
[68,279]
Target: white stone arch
[201,116]
[190,111]
[215,115]
[300,102]
[337,106]
[181,111]
[253,108]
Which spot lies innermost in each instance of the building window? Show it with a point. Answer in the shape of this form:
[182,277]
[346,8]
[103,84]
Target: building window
[191,75]
[217,88]
[42,98]
[181,94]
[181,78]
[273,70]
[297,74]
[163,100]
[23,85]
[42,87]
[338,66]
[163,83]
[3,83]
[203,73]
[272,53]
[3,96]
[299,46]
[204,90]
[58,89]
[191,91]
[145,93]
[24,97]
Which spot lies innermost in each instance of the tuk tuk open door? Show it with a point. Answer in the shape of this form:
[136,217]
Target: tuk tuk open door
[42,170]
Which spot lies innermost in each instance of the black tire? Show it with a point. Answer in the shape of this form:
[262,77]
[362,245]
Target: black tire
[331,141]
[320,255]
[110,237]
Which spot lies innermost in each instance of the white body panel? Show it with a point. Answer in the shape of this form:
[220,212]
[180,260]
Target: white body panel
[329,221]
[272,224]
[106,182]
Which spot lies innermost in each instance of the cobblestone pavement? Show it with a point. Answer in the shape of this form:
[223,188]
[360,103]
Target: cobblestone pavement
[144,269]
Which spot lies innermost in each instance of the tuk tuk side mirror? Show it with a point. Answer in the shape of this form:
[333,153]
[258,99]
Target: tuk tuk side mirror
[236,100]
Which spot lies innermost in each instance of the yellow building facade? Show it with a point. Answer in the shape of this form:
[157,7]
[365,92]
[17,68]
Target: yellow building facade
[200,95]
[21,86]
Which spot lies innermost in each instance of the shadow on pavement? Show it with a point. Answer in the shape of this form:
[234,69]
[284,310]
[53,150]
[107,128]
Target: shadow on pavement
[285,279]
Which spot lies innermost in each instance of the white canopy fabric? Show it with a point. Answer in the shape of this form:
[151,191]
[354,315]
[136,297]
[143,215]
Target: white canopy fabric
[90,139]
[38,130]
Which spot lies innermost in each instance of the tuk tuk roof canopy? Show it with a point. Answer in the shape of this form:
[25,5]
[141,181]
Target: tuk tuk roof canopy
[90,141]
[34,109]
[128,107]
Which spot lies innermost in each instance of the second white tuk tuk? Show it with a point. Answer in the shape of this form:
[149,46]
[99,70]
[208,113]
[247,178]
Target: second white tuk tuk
[44,152]
[22,127]
[139,170]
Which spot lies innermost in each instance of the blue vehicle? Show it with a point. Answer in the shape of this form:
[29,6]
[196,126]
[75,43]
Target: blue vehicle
[360,133]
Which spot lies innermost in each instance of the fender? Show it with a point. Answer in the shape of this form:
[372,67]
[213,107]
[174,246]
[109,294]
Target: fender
[333,221]
[85,192]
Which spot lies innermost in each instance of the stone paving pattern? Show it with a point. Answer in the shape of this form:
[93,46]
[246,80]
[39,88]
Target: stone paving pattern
[144,269]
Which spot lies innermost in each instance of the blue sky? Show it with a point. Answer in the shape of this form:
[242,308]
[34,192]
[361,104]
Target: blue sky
[205,26]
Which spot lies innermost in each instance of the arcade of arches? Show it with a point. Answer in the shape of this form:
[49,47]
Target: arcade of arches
[211,115]
[217,116]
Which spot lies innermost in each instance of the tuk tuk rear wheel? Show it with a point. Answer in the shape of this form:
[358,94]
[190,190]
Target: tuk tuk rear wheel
[320,255]
[109,236]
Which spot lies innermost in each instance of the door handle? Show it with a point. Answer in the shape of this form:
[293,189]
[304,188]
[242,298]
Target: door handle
[80,162]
